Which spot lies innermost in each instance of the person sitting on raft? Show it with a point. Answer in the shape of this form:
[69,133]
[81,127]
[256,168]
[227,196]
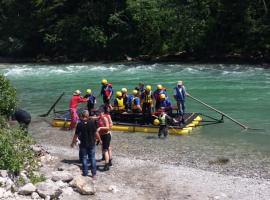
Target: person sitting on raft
[91,101]
[160,90]
[147,100]
[106,92]
[165,103]
[74,101]
[127,98]
[135,102]
[119,102]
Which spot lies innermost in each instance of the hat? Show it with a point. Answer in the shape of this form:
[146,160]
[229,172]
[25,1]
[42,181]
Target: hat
[77,92]
[179,82]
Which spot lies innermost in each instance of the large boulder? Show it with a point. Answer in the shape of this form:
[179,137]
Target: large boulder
[84,185]
[48,188]
[27,189]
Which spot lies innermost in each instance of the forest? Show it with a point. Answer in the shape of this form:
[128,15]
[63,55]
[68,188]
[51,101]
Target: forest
[92,30]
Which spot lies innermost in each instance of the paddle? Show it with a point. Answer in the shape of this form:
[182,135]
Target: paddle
[52,107]
[222,113]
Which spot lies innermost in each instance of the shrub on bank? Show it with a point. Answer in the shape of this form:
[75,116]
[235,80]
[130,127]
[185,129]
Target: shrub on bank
[15,151]
[8,98]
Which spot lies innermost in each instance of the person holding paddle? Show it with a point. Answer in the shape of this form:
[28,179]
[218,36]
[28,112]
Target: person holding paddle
[179,94]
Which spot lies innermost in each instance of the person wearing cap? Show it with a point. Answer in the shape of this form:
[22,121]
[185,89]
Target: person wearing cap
[86,134]
[135,102]
[179,94]
[91,101]
[160,90]
[106,92]
[147,100]
[119,102]
[73,103]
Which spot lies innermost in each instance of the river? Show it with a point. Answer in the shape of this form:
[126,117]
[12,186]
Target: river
[242,91]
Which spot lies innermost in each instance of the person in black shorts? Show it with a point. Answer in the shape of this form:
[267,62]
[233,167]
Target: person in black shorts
[105,136]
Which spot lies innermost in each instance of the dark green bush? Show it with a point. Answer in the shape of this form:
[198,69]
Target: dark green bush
[15,151]
[8,99]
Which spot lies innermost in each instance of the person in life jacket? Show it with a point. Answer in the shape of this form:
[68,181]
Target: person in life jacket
[104,125]
[147,102]
[127,98]
[163,121]
[179,93]
[119,102]
[135,102]
[74,101]
[160,90]
[91,101]
[165,103]
[106,92]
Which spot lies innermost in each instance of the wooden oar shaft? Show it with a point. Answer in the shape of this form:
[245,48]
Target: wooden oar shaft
[54,104]
[218,111]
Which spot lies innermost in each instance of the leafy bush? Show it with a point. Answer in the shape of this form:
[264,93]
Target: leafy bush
[15,151]
[8,99]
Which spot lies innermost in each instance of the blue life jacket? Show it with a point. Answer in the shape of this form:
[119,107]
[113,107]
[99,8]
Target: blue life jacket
[180,96]
[165,103]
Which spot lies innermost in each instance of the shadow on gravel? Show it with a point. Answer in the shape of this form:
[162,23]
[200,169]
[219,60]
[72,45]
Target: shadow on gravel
[76,162]
[151,137]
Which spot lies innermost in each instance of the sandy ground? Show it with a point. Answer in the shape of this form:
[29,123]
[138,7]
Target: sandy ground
[148,178]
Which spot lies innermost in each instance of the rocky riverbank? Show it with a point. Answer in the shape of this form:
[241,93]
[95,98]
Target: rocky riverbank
[141,172]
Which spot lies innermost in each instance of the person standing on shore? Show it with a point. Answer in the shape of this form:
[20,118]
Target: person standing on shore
[22,117]
[74,101]
[86,134]
[104,135]
[179,94]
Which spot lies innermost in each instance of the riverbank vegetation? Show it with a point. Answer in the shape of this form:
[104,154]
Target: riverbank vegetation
[15,145]
[65,30]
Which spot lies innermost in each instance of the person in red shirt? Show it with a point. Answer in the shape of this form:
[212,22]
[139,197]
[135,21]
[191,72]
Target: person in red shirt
[74,101]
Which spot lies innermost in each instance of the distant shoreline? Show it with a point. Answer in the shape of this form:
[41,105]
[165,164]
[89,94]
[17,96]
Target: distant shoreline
[172,58]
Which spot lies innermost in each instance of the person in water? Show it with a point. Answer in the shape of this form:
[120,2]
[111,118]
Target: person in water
[22,117]
[119,102]
[86,134]
[147,100]
[91,101]
[179,93]
[74,101]
[106,92]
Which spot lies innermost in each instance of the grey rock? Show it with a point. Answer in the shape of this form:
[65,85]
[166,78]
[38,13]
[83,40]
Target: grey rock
[112,188]
[61,184]
[3,173]
[48,188]
[2,192]
[9,184]
[62,175]
[68,193]
[84,185]
[35,195]
[27,189]
[71,168]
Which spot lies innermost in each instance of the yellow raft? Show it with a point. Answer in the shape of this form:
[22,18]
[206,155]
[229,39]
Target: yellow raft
[173,130]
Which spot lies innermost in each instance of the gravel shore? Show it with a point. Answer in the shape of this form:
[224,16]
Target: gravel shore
[143,169]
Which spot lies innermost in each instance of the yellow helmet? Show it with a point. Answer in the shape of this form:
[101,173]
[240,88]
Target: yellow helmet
[148,87]
[162,96]
[104,81]
[159,87]
[135,92]
[124,90]
[118,94]
[88,91]
[156,122]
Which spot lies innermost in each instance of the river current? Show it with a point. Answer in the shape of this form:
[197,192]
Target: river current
[241,91]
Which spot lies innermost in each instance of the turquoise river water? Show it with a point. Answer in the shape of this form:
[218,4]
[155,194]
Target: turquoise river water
[242,91]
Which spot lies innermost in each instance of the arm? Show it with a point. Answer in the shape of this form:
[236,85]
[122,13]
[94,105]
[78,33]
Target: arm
[110,121]
[75,137]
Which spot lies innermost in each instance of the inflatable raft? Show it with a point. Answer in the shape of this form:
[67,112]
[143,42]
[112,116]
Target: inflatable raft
[121,123]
